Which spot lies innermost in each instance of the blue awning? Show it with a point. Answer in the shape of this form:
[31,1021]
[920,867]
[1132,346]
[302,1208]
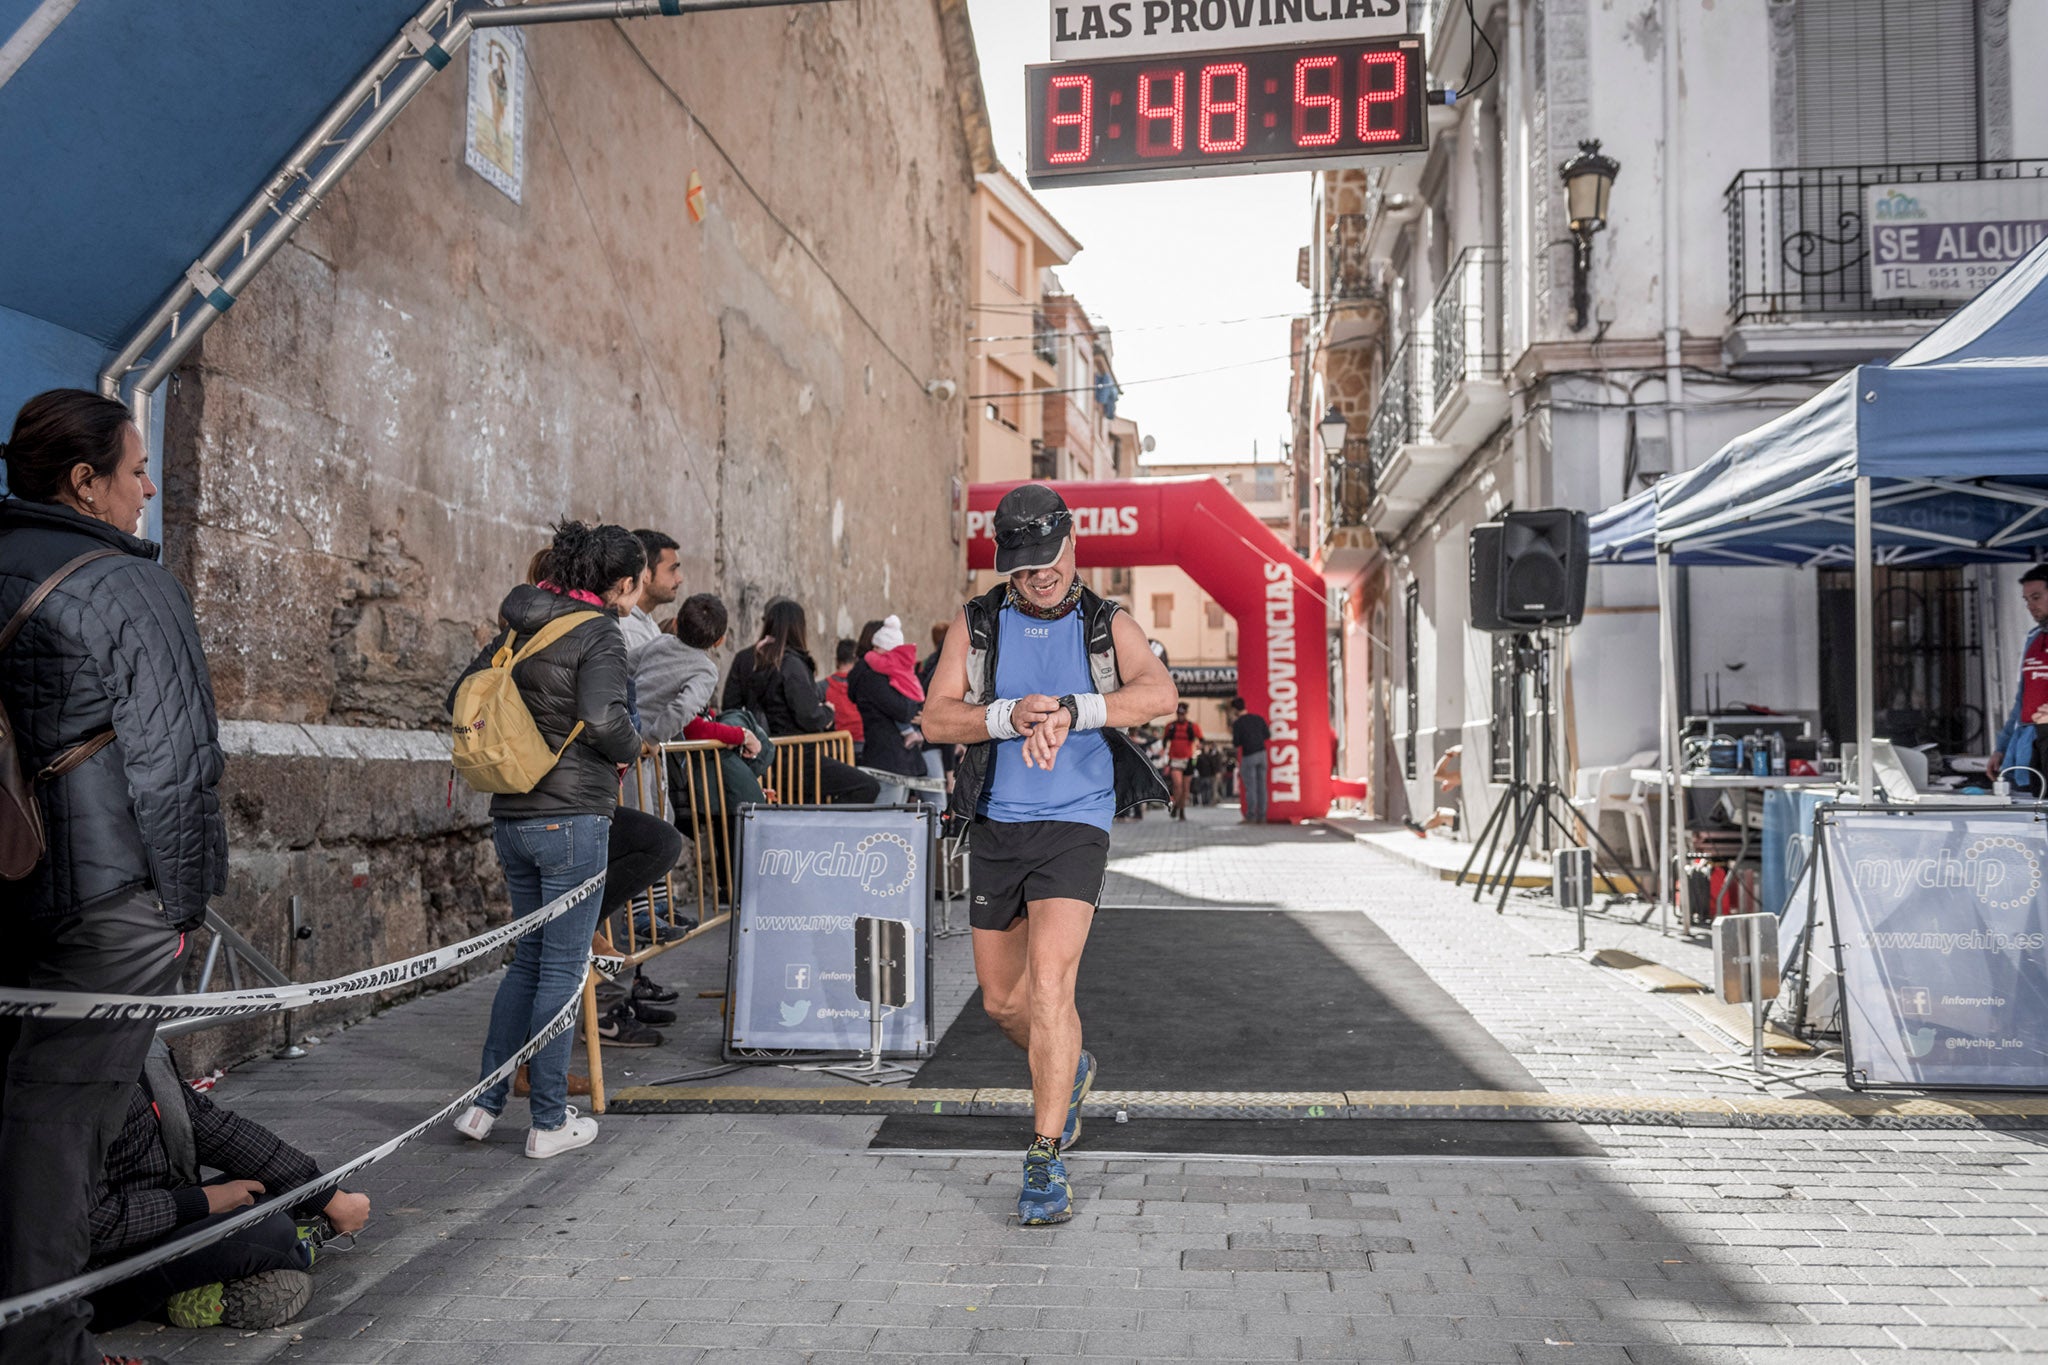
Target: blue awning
[130,137]
[1953,435]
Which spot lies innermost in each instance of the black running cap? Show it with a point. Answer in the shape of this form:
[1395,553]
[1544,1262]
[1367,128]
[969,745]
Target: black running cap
[1031,529]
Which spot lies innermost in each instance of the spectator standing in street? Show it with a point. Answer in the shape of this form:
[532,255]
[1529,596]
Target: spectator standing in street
[552,839]
[776,680]
[844,712]
[255,1278]
[2020,752]
[111,705]
[884,686]
[659,585]
[1182,736]
[1208,767]
[1248,735]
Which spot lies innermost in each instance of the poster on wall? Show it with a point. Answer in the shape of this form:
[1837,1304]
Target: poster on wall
[494,140]
[807,873]
[1940,925]
[1950,239]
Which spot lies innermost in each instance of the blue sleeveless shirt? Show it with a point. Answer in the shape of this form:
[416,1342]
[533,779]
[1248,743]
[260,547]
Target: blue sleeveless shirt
[1049,657]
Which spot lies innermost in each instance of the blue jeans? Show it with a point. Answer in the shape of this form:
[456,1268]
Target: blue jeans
[543,858]
[1251,785]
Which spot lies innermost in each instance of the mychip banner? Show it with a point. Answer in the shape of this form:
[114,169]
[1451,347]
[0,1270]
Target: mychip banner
[806,874]
[1940,930]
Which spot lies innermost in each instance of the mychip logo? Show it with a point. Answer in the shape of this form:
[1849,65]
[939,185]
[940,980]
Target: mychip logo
[883,864]
[2002,872]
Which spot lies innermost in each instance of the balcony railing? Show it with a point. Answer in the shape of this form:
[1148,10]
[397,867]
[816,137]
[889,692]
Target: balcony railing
[1044,341]
[1467,315]
[1398,412]
[1798,245]
[1351,276]
[1348,483]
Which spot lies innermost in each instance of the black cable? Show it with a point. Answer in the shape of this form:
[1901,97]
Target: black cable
[1492,54]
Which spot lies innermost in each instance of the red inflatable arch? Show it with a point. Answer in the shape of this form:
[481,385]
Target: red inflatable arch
[1283,663]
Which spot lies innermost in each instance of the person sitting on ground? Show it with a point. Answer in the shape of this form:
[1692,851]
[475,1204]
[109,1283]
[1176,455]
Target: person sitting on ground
[884,686]
[844,712]
[1449,778]
[151,1191]
[776,679]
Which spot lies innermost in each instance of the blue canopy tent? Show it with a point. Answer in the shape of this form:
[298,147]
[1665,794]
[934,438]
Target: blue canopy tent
[1939,457]
[156,156]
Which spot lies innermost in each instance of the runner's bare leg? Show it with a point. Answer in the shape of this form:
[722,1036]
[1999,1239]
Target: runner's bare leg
[1032,967]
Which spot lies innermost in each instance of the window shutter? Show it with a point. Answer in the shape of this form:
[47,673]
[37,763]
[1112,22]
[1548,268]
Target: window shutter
[1886,81]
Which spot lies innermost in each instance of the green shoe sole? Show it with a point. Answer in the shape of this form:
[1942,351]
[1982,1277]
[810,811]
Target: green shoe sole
[196,1308]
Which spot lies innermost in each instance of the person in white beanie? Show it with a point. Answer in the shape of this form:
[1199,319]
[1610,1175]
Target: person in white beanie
[884,686]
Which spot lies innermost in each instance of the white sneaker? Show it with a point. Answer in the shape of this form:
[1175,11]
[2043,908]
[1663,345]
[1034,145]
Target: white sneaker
[577,1132]
[475,1123]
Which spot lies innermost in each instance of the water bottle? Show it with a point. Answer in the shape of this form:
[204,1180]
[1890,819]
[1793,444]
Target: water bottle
[1759,757]
[1777,755]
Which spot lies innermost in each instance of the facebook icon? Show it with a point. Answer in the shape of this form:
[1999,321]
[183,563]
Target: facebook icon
[797,976]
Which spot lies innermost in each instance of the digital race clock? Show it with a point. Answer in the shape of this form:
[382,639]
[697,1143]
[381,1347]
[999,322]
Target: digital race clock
[1225,113]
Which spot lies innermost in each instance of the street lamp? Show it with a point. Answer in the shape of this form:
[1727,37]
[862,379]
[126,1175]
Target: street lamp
[1333,428]
[1588,179]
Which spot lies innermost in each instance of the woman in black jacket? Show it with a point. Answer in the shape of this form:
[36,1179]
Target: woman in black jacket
[554,838]
[108,691]
[775,679]
[884,710]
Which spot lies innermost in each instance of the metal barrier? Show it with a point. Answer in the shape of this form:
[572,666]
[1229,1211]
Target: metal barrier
[796,779]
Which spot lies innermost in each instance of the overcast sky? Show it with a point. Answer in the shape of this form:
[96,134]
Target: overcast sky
[1156,257]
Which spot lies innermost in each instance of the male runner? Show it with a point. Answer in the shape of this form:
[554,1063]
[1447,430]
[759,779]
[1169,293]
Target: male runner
[1040,677]
[1182,737]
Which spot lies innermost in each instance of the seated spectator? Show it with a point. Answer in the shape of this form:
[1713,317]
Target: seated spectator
[151,1191]
[843,710]
[776,679]
[884,686]
[684,677]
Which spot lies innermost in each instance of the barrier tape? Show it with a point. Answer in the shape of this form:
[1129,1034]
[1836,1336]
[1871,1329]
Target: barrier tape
[28,1004]
[15,1309]
[916,784]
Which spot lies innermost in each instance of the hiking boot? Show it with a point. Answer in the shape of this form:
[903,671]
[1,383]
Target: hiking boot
[270,1299]
[577,1131]
[648,1013]
[1047,1199]
[196,1308]
[653,992]
[1084,1080]
[621,1029]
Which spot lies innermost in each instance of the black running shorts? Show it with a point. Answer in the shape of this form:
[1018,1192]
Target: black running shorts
[1009,866]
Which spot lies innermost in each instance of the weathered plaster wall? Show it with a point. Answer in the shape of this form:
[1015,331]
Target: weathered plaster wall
[363,455]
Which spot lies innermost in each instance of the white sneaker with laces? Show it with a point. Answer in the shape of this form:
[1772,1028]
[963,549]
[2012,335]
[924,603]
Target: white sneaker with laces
[578,1131]
[475,1123]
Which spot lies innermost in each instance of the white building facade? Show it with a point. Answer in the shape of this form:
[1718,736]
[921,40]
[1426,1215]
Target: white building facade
[1731,281]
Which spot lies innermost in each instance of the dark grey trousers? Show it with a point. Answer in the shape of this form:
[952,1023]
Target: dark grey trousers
[64,1095]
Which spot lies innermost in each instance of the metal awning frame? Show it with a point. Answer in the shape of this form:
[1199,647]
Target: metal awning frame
[423,47]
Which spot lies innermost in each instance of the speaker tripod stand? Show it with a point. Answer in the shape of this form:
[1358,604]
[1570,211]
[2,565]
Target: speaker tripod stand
[1527,808]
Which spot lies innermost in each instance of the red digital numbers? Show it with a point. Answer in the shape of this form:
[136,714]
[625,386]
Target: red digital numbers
[1328,104]
[1080,118]
[1376,95]
[1152,112]
[1236,109]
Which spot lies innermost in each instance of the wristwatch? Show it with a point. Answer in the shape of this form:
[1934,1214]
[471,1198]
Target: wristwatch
[1073,711]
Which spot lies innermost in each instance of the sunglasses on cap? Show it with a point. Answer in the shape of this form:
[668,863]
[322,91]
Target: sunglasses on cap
[1039,529]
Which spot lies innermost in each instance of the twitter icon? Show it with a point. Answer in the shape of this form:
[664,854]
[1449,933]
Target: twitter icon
[794,1013]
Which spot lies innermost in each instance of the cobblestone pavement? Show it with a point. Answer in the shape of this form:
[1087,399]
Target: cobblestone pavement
[779,1238]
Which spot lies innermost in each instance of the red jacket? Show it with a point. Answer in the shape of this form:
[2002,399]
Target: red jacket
[843,709]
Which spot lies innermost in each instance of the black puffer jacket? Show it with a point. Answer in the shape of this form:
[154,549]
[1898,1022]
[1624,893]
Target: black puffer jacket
[581,676]
[788,697]
[882,711]
[115,646]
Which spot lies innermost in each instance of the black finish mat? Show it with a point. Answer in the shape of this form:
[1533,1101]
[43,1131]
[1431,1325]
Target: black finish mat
[1251,1000]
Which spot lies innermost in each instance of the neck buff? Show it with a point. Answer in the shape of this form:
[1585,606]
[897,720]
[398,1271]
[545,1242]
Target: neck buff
[1051,613]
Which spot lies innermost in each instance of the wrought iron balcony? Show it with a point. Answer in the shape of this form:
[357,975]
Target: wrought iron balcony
[1044,341]
[1467,316]
[1798,245]
[1347,484]
[1398,411]
[1351,277]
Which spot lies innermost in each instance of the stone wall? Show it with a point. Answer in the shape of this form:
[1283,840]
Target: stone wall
[362,456]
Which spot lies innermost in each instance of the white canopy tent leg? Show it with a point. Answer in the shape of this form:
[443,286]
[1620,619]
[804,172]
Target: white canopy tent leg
[1866,647]
[1667,745]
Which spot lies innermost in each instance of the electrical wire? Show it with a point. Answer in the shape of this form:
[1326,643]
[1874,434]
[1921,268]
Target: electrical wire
[1133,383]
[1493,55]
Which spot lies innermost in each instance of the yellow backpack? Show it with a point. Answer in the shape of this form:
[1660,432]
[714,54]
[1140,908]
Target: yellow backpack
[498,748]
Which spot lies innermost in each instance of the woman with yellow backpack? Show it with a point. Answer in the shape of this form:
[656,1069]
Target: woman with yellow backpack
[560,663]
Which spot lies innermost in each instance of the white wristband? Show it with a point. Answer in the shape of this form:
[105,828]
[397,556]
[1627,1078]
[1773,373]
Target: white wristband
[997,717]
[1094,709]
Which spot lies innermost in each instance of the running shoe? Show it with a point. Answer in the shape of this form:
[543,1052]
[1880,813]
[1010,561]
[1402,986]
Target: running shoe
[620,1029]
[1084,1081]
[1047,1199]
[650,1014]
[269,1299]
[195,1308]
